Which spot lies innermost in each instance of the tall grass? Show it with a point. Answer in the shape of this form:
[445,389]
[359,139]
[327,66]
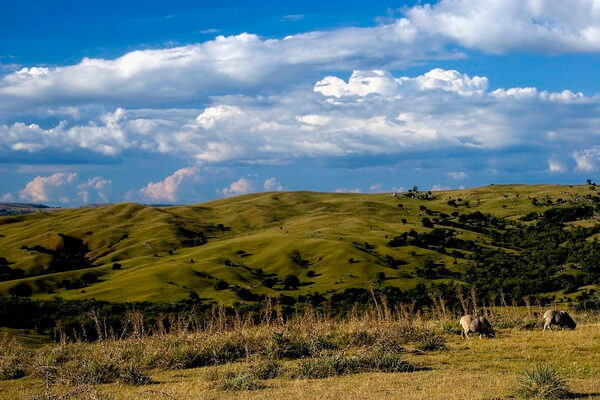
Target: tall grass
[318,345]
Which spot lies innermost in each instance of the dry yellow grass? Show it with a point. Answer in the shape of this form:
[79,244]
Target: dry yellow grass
[470,369]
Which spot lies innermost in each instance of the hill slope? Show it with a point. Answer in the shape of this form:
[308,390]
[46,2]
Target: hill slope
[237,248]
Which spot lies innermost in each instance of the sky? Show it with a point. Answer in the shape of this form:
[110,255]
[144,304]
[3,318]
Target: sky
[181,102]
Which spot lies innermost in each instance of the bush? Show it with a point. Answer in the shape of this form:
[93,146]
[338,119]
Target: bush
[21,290]
[323,367]
[292,346]
[269,282]
[221,285]
[117,266]
[241,381]
[11,368]
[429,341]
[542,382]
[269,369]
[291,282]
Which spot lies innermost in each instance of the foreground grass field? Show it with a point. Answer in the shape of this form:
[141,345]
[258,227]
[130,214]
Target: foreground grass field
[452,369]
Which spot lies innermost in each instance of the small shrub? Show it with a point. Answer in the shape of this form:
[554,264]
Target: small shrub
[221,285]
[269,369]
[11,369]
[291,282]
[323,367]
[12,356]
[429,341]
[133,375]
[391,362]
[292,346]
[241,381]
[542,382]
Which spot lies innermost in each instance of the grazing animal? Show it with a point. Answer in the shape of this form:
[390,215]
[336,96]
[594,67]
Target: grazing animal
[394,195]
[476,324]
[560,318]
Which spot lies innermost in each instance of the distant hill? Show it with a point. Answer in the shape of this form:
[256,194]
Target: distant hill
[20,208]
[523,239]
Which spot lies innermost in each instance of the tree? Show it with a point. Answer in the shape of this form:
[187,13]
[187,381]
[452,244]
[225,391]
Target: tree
[427,223]
[291,282]
[381,277]
[21,290]
[221,285]
[117,266]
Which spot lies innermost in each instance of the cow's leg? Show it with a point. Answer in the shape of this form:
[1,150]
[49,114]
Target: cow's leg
[462,334]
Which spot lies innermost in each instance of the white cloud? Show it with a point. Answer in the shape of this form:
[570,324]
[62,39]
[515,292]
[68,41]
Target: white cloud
[7,197]
[239,187]
[168,189]
[97,184]
[458,175]
[499,26]
[438,188]
[342,190]
[292,17]
[39,188]
[363,83]
[555,165]
[221,113]
[246,63]
[586,159]
[426,113]
[271,185]
[376,188]
[239,63]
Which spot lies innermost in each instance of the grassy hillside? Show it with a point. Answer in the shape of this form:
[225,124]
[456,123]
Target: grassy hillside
[233,249]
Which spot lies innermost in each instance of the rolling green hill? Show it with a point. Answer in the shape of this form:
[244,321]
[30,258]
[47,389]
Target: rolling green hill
[234,249]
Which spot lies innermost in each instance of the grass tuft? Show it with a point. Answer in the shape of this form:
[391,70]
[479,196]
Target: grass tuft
[542,382]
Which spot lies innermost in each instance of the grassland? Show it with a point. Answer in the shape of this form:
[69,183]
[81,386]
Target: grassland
[454,369]
[330,241]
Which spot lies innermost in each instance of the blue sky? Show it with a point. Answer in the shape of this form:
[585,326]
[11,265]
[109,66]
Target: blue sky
[179,101]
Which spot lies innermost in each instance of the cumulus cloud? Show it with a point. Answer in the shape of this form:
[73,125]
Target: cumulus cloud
[500,26]
[39,188]
[271,185]
[96,184]
[343,190]
[555,165]
[458,175]
[438,188]
[373,114]
[7,197]
[586,159]
[168,189]
[362,83]
[238,63]
[239,187]
[376,188]
[246,63]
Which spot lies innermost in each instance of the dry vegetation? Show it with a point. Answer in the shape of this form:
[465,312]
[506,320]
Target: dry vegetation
[380,354]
